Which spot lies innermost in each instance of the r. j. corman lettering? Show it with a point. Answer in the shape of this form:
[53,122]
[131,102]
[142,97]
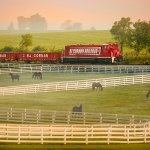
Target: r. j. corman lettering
[93,51]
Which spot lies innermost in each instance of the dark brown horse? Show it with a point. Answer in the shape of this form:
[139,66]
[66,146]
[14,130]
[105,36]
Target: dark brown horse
[14,76]
[77,109]
[97,85]
[37,75]
[147,95]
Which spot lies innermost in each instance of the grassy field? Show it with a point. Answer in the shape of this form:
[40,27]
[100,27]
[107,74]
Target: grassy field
[114,100]
[54,40]
[26,78]
[117,100]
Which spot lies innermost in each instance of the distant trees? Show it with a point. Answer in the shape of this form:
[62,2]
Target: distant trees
[92,28]
[137,37]
[11,27]
[23,23]
[69,25]
[141,36]
[34,22]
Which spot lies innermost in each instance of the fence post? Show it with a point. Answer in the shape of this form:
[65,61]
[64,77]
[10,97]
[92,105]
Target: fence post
[41,135]
[133,80]
[116,118]
[18,134]
[21,70]
[68,118]
[86,135]
[65,135]
[108,136]
[127,136]
[84,118]
[53,117]
[100,117]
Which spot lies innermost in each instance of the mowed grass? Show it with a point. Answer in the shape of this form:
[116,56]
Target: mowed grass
[56,40]
[117,100]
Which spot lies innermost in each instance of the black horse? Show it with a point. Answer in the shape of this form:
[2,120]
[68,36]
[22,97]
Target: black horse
[147,95]
[77,109]
[98,85]
[14,76]
[37,75]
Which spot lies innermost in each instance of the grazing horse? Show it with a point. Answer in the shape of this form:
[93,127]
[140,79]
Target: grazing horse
[77,109]
[37,75]
[13,76]
[98,85]
[147,95]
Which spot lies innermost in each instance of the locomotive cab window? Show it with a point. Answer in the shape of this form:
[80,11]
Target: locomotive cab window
[104,47]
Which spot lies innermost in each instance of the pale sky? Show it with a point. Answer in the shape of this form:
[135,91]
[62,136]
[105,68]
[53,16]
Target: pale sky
[98,13]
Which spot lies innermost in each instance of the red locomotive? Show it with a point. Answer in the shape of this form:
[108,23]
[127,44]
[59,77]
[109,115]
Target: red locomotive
[94,54]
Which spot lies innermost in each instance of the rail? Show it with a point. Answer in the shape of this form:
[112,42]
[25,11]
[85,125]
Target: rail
[65,134]
[74,85]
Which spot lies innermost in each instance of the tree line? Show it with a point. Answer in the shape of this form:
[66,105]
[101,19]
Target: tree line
[37,22]
[135,36]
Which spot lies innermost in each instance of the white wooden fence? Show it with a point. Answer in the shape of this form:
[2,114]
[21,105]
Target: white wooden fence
[74,85]
[21,68]
[31,116]
[65,134]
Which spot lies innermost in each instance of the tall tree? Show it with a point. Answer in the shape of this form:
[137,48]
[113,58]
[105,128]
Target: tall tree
[67,25]
[141,35]
[121,31]
[77,26]
[36,22]
[26,41]
[22,23]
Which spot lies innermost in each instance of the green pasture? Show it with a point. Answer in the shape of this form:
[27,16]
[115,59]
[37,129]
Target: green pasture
[114,100]
[117,100]
[26,78]
[56,40]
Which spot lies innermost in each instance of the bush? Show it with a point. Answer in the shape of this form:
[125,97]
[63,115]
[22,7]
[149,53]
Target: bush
[7,49]
[39,49]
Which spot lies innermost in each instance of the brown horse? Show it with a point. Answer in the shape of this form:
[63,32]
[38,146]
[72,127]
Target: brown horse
[37,75]
[98,85]
[147,95]
[77,109]
[14,76]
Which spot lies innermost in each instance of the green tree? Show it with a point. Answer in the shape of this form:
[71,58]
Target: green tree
[121,31]
[141,35]
[26,41]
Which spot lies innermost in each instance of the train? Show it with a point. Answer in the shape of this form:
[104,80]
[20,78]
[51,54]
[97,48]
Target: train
[108,53]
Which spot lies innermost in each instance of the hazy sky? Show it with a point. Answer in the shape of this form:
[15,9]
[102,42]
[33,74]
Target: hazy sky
[98,13]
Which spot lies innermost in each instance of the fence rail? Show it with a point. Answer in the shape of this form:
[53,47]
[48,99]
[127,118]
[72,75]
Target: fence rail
[65,134]
[74,85]
[29,116]
[21,68]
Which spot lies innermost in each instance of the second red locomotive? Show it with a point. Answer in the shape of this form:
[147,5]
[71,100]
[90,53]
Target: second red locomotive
[93,54]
